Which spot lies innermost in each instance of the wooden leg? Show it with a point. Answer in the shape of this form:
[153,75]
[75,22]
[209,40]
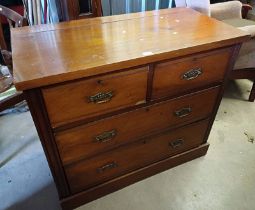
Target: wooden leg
[252,94]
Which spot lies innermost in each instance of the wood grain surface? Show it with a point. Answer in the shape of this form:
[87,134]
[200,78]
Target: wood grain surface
[90,172]
[169,77]
[118,183]
[50,54]
[71,101]
[79,142]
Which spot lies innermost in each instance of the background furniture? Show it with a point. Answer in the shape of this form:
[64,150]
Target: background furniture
[6,82]
[77,9]
[123,102]
[17,6]
[231,13]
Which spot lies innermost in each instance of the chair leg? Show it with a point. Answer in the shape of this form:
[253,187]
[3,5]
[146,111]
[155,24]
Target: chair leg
[252,94]
[11,101]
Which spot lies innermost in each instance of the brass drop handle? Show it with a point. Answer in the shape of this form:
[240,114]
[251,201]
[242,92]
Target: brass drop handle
[101,97]
[176,143]
[107,166]
[192,74]
[183,112]
[106,136]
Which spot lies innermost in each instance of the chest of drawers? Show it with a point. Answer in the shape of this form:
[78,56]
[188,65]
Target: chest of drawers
[118,99]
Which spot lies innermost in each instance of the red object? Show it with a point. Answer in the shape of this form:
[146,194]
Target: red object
[19,9]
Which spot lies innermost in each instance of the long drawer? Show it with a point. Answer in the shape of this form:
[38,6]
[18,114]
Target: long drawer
[90,172]
[90,139]
[177,76]
[88,98]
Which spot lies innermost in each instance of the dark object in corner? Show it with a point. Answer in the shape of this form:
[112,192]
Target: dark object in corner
[8,3]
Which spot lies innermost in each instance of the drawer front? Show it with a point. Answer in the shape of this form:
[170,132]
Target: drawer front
[175,77]
[88,98]
[90,139]
[90,172]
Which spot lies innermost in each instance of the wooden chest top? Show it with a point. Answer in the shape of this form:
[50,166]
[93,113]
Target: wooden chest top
[50,54]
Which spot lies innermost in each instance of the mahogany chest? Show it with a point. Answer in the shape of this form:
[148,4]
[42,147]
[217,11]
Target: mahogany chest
[118,99]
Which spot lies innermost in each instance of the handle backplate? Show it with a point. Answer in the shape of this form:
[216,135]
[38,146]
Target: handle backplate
[107,167]
[192,74]
[101,97]
[183,112]
[106,136]
[176,143]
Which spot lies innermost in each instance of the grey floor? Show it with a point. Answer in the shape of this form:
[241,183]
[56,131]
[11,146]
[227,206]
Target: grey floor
[222,180]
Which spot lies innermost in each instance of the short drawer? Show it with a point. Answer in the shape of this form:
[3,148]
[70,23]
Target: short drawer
[178,76]
[90,172]
[88,98]
[90,139]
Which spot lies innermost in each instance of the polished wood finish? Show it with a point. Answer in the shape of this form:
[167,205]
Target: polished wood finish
[76,50]
[128,88]
[134,134]
[133,156]
[231,63]
[36,105]
[169,76]
[80,142]
[133,177]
